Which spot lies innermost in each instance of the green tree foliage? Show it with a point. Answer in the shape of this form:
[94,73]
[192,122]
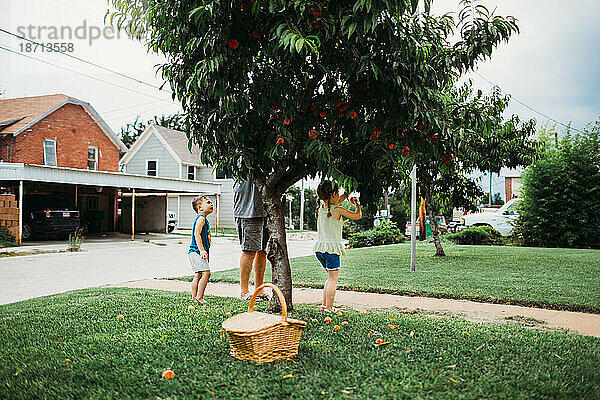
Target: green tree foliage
[132,131]
[6,238]
[561,194]
[310,205]
[472,135]
[398,210]
[385,233]
[291,88]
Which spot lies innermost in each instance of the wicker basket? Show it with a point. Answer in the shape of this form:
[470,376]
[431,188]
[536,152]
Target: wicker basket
[262,337]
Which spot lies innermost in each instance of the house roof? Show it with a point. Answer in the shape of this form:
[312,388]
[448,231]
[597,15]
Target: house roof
[27,109]
[18,115]
[178,141]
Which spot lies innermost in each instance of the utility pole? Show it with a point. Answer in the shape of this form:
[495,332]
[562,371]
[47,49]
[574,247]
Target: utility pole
[490,199]
[302,204]
[386,204]
[289,199]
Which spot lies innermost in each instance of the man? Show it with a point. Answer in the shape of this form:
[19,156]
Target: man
[250,219]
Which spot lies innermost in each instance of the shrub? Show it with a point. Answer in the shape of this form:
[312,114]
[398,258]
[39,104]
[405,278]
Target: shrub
[7,238]
[75,240]
[385,233]
[483,235]
[561,195]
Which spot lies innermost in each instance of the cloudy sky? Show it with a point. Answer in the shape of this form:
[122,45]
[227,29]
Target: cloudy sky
[552,66]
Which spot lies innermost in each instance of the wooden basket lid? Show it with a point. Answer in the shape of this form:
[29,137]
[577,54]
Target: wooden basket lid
[255,321]
[251,321]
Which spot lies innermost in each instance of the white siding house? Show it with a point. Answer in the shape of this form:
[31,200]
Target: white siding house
[164,152]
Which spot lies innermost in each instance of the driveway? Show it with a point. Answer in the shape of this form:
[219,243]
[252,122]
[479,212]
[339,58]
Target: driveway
[111,261]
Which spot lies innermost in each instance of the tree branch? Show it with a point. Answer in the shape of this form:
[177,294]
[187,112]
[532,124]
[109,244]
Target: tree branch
[291,176]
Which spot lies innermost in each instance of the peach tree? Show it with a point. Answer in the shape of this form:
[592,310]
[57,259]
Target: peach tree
[472,135]
[278,90]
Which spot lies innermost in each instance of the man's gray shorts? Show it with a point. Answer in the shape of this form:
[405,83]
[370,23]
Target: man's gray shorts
[252,233]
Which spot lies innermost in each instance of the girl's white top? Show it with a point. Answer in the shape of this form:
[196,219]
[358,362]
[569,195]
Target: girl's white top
[329,233]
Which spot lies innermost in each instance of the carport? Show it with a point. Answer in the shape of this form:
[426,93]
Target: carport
[142,199]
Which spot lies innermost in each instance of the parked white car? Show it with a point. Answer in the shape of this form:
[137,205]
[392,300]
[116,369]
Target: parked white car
[501,220]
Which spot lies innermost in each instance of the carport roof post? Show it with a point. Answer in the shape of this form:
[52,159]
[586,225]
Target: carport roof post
[41,173]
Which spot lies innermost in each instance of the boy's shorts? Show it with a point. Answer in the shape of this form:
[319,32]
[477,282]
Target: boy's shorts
[252,233]
[331,262]
[198,263]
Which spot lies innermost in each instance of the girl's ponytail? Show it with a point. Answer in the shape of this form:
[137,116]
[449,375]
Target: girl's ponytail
[324,192]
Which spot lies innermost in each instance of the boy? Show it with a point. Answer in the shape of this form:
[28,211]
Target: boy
[199,248]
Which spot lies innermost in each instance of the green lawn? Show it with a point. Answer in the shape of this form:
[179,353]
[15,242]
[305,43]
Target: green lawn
[73,346]
[553,278]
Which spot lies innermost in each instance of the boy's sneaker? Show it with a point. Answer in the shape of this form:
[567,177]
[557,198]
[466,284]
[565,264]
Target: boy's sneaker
[333,310]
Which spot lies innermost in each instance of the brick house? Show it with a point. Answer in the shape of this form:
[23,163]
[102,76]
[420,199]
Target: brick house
[59,131]
[58,150]
[512,182]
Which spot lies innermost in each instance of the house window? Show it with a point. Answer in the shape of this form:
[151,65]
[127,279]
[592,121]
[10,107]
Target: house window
[92,203]
[191,172]
[223,174]
[50,152]
[92,158]
[151,167]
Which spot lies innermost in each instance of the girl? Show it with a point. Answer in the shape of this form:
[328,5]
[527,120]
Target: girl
[329,246]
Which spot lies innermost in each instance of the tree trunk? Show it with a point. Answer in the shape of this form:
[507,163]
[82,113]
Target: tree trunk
[422,222]
[277,250]
[439,250]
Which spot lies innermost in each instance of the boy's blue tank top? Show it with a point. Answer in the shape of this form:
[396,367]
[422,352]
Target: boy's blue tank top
[204,234]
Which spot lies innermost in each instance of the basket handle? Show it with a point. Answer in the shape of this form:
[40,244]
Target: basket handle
[279,294]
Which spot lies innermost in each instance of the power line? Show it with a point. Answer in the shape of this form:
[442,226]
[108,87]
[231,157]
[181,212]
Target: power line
[80,124]
[132,115]
[527,106]
[85,61]
[85,75]
[128,107]
[108,112]
[45,121]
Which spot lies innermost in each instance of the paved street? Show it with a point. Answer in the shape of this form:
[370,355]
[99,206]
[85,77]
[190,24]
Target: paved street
[112,261]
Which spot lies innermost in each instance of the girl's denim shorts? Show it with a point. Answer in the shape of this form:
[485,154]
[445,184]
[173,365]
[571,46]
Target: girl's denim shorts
[331,262]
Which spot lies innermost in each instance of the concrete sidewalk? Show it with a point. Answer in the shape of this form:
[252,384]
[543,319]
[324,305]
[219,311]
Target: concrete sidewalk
[581,323]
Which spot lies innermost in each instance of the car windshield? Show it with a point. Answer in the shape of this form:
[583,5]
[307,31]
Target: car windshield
[511,208]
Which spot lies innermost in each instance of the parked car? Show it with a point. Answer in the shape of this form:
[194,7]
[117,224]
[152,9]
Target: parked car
[49,217]
[501,220]
[441,221]
[172,220]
